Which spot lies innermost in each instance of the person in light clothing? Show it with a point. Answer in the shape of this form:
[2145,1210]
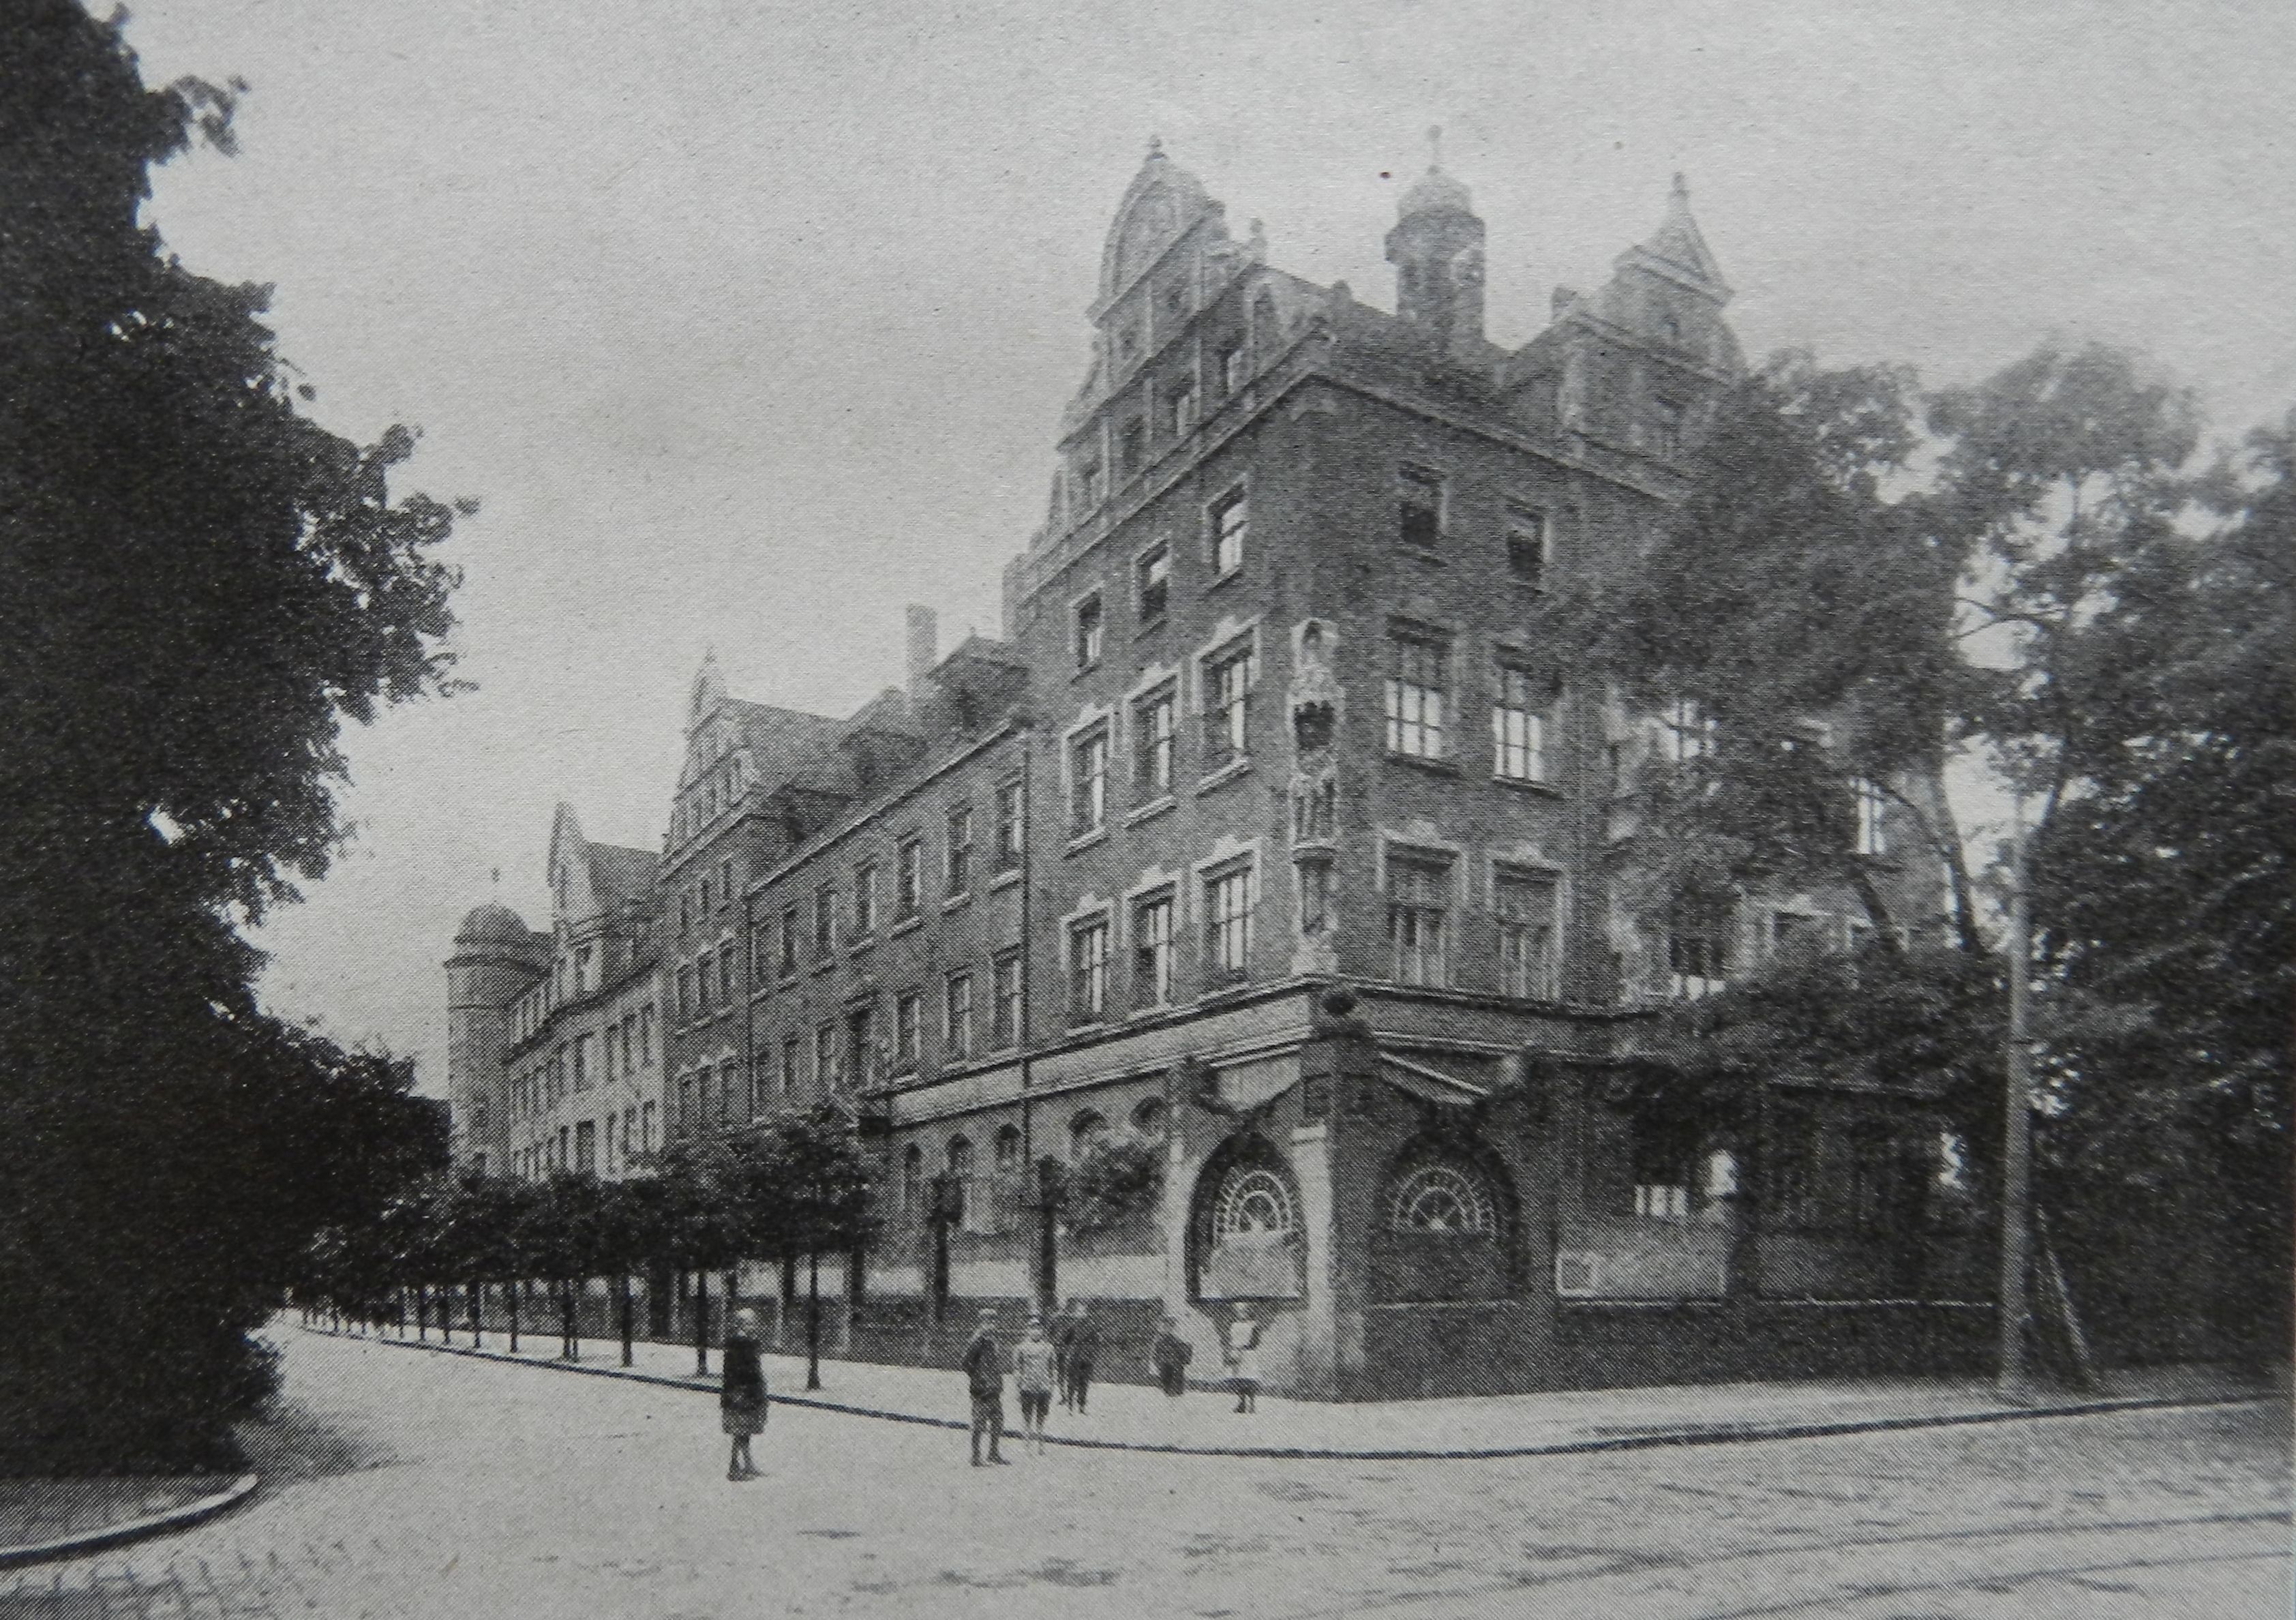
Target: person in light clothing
[1243,1359]
[1033,1377]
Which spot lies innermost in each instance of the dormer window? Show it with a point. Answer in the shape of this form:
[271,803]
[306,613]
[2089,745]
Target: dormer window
[1088,484]
[1132,447]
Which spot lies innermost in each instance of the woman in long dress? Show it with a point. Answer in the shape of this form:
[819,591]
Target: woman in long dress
[1243,1359]
[741,1395]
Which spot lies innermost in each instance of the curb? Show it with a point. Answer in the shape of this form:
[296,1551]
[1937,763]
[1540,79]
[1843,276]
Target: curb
[1712,1434]
[135,1529]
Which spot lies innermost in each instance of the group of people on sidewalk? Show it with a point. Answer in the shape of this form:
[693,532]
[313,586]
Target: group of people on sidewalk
[1062,1358]
[1059,1357]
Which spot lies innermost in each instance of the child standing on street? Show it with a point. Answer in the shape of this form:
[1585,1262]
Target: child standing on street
[1032,1375]
[742,1394]
[1243,1359]
[984,1376]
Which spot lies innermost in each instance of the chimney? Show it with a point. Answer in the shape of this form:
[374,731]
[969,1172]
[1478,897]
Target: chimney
[924,645]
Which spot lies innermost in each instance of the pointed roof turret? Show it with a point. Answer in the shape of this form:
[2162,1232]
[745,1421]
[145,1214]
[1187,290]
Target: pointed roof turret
[1678,250]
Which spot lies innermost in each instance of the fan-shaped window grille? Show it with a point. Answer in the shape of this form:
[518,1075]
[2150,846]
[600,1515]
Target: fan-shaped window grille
[1252,1203]
[1440,1198]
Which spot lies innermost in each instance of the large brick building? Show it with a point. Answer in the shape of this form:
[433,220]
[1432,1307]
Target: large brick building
[1272,718]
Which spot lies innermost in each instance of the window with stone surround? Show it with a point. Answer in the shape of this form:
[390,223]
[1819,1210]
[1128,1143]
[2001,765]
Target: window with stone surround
[1089,969]
[1153,742]
[1519,725]
[1417,695]
[1089,780]
[1229,676]
[1229,894]
[1419,915]
[1526,904]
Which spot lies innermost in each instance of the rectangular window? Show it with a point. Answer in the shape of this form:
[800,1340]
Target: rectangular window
[1698,951]
[863,1062]
[959,862]
[645,1127]
[586,1061]
[1418,918]
[1230,367]
[1088,970]
[1525,902]
[685,991]
[1132,447]
[908,1017]
[1419,506]
[702,908]
[645,1034]
[1518,727]
[1180,400]
[1152,581]
[1231,520]
[586,1146]
[1685,732]
[788,941]
[1088,781]
[957,1018]
[726,882]
[1089,631]
[726,1080]
[1153,723]
[909,877]
[1004,1017]
[1666,428]
[1227,922]
[1417,681]
[586,970]
[1795,931]
[824,1057]
[864,899]
[824,922]
[1228,680]
[1526,546]
[1152,950]
[1315,896]
[606,1055]
[792,1063]
[1008,827]
[1872,834]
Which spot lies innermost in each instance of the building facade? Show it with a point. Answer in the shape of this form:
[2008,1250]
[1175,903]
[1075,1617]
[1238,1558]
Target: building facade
[1260,920]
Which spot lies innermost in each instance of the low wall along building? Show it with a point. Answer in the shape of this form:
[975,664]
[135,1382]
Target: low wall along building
[1253,922]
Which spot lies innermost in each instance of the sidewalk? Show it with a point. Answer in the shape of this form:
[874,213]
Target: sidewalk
[53,1518]
[1133,1417]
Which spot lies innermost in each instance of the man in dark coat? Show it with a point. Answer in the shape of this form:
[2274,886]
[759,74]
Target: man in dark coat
[984,1376]
[1083,1341]
[1171,1354]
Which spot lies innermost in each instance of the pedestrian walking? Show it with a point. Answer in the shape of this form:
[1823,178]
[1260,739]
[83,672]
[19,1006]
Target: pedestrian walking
[1062,1329]
[1243,1359]
[1171,1355]
[1083,1352]
[984,1376]
[742,1392]
[1033,1378]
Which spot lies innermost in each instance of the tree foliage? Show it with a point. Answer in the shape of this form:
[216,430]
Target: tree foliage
[203,586]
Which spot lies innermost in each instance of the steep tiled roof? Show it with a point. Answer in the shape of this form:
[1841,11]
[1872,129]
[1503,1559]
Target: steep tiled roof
[619,874]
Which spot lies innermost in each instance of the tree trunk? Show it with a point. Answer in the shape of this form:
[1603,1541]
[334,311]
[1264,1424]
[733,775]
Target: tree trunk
[1926,799]
[478,1292]
[701,1323]
[813,1321]
[512,1291]
[422,1314]
[630,1321]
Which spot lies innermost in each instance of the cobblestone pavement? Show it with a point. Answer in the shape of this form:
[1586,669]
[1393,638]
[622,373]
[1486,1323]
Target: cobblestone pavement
[401,1485]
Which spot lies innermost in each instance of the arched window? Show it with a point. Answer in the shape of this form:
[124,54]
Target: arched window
[1442,1198]
[1008,1150]
[1086,1131]
[1148,1118]
[912,1179]
[960,1176]
[1252,1205]
[1245,1240]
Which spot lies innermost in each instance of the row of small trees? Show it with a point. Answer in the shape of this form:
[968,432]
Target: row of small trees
[794,1188]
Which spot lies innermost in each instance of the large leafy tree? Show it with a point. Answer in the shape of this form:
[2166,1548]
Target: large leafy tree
[203,586]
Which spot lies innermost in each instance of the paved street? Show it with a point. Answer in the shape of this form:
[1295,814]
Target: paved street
[403,1485]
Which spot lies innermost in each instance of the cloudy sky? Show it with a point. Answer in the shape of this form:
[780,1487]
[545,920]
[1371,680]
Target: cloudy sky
[749,322]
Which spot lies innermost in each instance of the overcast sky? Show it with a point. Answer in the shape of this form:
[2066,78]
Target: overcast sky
[749,323]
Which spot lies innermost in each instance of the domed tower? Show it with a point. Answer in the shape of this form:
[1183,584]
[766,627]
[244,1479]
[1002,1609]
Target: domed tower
[496,956]
[1437,249]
